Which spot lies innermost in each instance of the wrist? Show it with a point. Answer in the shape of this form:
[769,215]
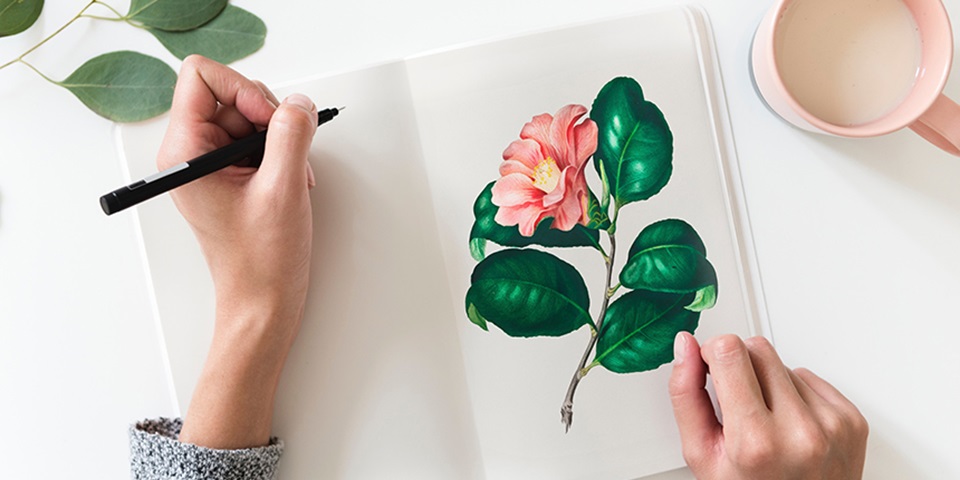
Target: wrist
[263,325]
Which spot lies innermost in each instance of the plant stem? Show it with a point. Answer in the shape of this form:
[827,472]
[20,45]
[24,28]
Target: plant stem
[114,10]
[566,411]
[38,72]
[45,40]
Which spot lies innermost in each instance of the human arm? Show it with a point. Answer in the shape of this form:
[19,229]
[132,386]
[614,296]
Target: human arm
[254,227]
[778,423]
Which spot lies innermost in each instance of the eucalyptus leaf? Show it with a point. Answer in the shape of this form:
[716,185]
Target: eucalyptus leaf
[634,142]
[174,15]
[485,227]
[528,293]
[668,256]
[123,86]
[232,35]
[639,328]
[18,15]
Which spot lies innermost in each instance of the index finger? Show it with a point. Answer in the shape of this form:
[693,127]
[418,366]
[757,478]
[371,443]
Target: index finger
[202,86]
[738,390]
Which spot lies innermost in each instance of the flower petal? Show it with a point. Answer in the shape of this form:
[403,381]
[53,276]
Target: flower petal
[538,130]
[526,217]
[526,152]
[569,212]
[585,141]
[508,167]
[557,194]
[515,189]
[562,136]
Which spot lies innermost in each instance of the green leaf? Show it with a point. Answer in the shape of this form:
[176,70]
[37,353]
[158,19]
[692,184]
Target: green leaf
[123,86]
[668,256]
[230,36]
[18,15]
[596,213]
[174,15]
[478,248]
[476,318]
[639,328]
[634,143]
[706,298]
[528,293]
[485,227]
[605,196]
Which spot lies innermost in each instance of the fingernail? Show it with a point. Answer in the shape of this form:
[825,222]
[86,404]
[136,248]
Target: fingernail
[679,348]
[301,101]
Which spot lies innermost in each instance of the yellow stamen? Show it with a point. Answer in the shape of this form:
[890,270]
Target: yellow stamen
[546,175]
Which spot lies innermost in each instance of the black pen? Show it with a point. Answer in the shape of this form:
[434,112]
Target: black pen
[246,152]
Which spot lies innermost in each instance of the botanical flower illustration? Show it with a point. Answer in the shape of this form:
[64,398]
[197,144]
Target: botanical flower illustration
[542,174]
[666,280]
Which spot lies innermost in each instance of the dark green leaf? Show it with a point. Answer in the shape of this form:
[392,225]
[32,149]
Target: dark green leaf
[18,15]
[528,293]
[174,15]
[124,86]
[485,228]
[634,143]
[668,256]
[639,328]
[230,36]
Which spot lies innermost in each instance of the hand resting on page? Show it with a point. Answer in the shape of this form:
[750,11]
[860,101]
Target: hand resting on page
[778,423]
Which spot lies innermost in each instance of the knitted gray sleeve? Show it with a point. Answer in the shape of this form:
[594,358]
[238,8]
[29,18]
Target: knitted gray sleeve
[155,454]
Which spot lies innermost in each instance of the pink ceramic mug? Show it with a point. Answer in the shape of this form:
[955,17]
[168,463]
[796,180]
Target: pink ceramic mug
[922,106]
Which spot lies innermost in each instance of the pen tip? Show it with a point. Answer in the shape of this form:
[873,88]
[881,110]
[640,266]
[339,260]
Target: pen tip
[341,108]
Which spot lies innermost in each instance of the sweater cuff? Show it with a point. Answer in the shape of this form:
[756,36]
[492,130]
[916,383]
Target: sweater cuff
[155,453]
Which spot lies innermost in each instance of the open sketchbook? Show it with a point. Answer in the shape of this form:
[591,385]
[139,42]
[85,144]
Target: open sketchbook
[389,378]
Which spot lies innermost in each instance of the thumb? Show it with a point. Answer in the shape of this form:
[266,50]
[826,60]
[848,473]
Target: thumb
[289,136]
[699,428]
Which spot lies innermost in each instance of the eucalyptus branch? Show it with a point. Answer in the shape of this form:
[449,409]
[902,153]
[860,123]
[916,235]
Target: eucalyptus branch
[38,72]
[114,10]
[566,411]
[119,16]
[45,40]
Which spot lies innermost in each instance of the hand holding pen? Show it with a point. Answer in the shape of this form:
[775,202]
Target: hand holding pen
[255,229]
[245,152]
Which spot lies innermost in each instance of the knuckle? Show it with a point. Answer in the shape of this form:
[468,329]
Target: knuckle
[859,425]
[759,345]
[810,444]
[803,372]
[676,387]
[726,348]
[293,119]
[754,451]
[833,424]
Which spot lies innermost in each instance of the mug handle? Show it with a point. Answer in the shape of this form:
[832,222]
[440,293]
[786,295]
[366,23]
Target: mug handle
[940,125]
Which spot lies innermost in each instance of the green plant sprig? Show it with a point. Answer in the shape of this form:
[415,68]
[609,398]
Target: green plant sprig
[664,284]
[128,86]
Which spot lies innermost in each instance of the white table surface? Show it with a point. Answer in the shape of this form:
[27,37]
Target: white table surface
[855,238]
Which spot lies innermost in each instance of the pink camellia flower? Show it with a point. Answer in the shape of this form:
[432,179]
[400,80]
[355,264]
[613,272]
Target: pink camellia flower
[542,173]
